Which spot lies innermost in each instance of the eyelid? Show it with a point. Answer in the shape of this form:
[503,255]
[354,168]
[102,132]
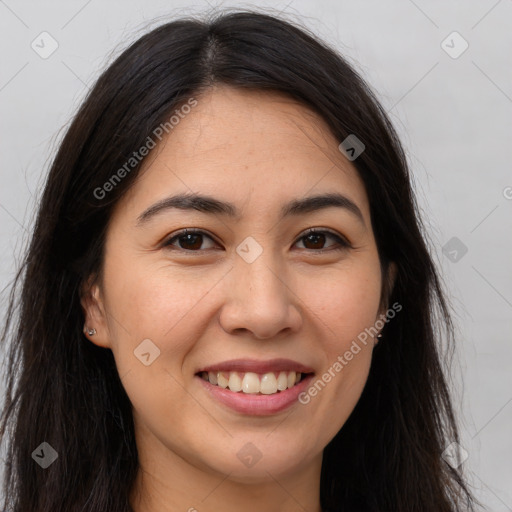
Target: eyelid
[342,241]
[188,231]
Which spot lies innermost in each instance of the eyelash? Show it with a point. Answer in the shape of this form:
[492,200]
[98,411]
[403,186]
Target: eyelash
[343,244]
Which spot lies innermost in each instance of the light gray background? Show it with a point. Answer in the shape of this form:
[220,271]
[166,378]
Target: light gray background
[454,117]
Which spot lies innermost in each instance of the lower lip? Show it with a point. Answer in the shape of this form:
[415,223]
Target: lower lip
[257,405]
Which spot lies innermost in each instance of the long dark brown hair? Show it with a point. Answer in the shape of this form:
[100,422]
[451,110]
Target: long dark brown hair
[64,390]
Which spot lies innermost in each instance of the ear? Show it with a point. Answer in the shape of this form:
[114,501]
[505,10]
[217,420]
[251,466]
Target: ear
[389,284]
[94,312]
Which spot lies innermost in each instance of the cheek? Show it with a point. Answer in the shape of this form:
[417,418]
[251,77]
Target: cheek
[346,300]
[156,303]
[347,304]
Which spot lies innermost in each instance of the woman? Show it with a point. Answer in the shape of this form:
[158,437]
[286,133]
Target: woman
[290,364]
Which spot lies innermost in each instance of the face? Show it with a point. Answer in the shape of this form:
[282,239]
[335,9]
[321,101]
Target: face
[249,294]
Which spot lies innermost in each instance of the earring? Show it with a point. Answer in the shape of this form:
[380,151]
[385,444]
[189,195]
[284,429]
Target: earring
[90,332]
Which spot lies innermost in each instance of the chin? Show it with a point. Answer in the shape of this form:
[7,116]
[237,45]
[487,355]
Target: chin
[260,460]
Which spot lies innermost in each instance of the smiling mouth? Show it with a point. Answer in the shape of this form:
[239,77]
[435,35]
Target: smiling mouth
[254,383]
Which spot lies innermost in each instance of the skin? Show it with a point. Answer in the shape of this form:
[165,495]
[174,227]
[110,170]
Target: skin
[257,150]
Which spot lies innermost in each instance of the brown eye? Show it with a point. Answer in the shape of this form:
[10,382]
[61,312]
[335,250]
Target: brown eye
[316,239]
[188,240]
[313,240]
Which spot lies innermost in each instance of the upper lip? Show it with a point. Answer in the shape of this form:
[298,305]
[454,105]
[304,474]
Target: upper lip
[257,366]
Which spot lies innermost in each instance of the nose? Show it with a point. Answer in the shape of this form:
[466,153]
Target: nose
[259,299]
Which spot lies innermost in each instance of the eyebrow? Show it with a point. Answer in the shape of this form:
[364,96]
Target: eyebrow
[212,206]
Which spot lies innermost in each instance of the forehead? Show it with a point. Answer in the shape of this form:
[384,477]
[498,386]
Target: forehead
[247,144]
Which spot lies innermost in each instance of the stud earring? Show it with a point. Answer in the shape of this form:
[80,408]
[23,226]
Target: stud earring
[90,332]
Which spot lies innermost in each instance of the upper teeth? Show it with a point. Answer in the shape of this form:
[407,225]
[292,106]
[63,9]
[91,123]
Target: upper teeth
[250,382]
